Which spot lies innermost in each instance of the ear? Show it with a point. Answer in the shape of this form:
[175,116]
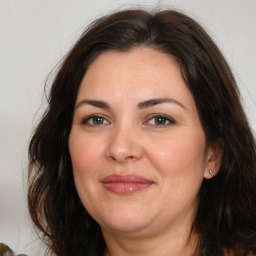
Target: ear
[213,159]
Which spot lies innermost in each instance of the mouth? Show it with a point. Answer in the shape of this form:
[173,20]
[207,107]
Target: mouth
[125,184]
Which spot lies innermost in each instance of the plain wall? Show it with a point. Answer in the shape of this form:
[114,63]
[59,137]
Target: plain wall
[36,34]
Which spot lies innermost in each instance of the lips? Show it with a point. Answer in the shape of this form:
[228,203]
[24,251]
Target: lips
[125,184]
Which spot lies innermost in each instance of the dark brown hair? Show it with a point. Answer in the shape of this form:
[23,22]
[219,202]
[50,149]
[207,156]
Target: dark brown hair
[226,217]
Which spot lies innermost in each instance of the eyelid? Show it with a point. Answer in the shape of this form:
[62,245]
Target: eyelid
[170,120]
[85,119]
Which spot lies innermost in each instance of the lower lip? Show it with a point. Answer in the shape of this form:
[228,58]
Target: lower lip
[126,188]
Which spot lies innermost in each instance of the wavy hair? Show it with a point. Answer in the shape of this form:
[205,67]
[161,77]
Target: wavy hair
[226,216]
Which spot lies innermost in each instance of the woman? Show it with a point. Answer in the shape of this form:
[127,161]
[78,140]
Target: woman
[144,148]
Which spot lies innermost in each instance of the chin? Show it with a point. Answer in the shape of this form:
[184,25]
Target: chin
[126,221]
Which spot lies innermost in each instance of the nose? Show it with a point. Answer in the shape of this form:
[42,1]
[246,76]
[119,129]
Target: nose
[124,145]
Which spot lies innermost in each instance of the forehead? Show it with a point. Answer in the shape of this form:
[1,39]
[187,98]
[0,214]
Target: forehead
[141,72]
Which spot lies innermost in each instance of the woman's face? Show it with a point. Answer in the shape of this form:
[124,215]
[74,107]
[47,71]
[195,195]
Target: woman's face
[137,145]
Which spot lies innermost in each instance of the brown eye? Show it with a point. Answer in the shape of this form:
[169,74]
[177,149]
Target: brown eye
[160,121]
[95,121]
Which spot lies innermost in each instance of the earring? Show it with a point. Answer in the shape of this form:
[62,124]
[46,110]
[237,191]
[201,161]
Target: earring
[211,173]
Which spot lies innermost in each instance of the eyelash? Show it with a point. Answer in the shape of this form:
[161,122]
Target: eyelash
[93,117]
[164,118]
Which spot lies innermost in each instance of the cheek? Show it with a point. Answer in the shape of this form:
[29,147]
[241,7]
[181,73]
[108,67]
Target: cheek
[180,163]
[85,154]
[180,155]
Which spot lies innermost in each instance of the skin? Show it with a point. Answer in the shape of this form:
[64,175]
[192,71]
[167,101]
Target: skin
[129,137]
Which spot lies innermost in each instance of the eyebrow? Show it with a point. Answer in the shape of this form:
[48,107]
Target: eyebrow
[153,102]
[141,105]
[94,103]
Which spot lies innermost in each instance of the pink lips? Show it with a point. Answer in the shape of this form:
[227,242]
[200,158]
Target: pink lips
[125,184]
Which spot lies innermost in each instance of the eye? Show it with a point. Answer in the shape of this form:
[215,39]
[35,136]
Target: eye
[95,120]
[160,121]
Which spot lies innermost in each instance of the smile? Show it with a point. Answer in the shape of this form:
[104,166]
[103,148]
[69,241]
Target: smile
[125,184]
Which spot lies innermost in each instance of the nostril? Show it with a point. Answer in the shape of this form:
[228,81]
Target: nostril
[120,158]
[112,158]
[130,157]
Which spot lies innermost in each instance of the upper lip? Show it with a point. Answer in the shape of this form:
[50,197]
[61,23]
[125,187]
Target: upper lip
[125,179]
